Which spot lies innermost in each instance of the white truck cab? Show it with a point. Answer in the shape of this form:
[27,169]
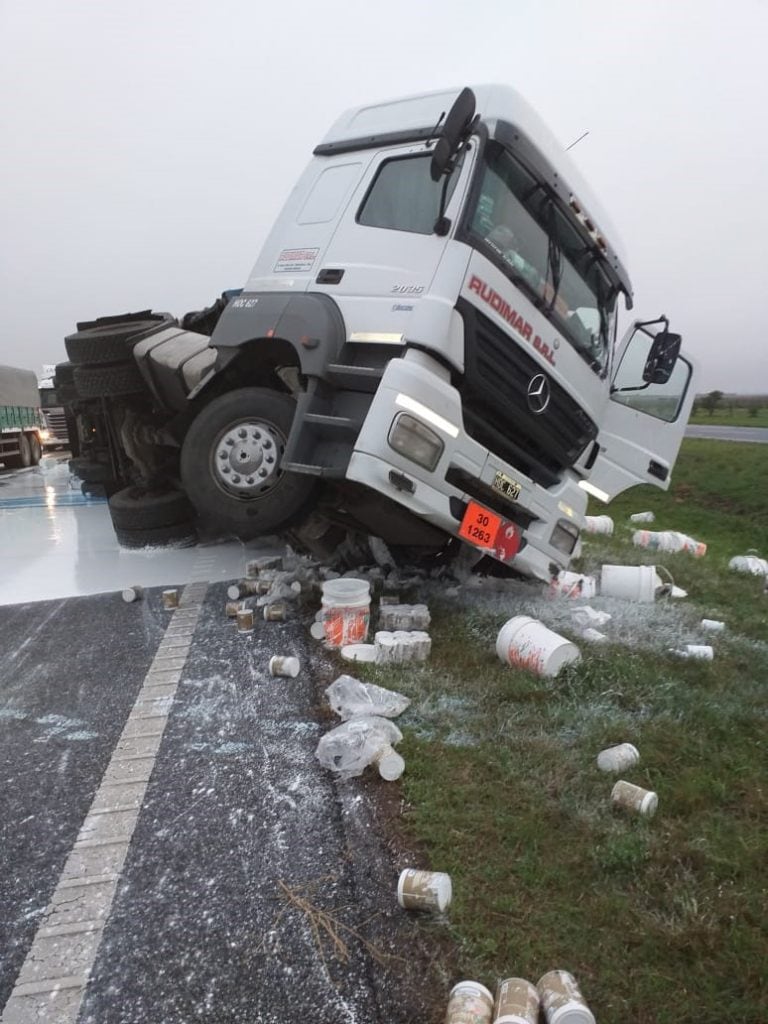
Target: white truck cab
[442,259]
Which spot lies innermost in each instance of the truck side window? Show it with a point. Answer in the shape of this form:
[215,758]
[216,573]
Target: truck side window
[663,401]
[403,196]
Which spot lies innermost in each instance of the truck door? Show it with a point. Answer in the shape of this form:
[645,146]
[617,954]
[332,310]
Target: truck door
[642,427]
[385,252]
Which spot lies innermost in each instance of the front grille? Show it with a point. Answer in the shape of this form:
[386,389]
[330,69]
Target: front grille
[497,373]
[57,424]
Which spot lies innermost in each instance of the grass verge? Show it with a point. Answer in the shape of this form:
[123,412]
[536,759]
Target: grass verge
[663,920]
[739,417]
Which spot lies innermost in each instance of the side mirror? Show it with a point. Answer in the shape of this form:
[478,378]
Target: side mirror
[662,358]
[456,127]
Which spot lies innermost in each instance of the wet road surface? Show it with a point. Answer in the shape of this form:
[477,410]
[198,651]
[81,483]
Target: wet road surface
[757,435]
[235,825]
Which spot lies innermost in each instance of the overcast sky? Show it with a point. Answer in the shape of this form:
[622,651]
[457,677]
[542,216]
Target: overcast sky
[148,144]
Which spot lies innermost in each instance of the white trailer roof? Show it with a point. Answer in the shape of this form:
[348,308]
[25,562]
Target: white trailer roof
[18,387]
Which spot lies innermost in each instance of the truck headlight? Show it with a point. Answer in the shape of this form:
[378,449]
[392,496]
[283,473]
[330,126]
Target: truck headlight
[564,536]
[45,435]
[415,441]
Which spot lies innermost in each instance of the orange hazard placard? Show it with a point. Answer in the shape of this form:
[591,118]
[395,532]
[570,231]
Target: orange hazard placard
[479,525]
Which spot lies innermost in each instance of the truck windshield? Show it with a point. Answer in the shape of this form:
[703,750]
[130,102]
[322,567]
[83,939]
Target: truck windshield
[49,399]
[525,231]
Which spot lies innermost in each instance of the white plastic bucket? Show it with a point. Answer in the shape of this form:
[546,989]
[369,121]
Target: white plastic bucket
[630,582]
[524,642]
[750,564]
[346,611]
[598,524]
[574,584]
[669,540]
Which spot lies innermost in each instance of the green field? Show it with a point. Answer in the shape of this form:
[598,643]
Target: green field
[663,921]
[738,417]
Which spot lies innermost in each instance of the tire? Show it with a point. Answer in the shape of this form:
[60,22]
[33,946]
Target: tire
[36,449]
[24,459]
[110,343]
[91,472]
[133,509]
[274,503]
[108,381]
[64,374]
[180,535]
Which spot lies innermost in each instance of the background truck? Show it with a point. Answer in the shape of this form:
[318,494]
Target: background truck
[55,416]
[425,351]
[21,422]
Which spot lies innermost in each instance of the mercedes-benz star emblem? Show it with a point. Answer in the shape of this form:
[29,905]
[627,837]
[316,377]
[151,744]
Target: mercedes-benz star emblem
[538,394]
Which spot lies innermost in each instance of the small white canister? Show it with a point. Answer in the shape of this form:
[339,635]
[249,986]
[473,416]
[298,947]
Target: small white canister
[634,798]
[517,1002]
[284,665]
[712,625]
[562,1001]
[616,759]
[424,890]
[469,1003]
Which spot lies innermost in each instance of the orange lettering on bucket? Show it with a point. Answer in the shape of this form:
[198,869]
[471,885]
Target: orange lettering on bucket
[346,626]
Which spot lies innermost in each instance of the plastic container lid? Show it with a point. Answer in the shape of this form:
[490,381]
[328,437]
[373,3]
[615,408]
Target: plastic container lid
[473,987]
[345,591]
[391,766]
[571,1013]
[358,652]
[649,805]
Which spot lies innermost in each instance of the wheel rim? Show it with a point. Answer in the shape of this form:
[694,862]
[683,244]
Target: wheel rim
[246,459]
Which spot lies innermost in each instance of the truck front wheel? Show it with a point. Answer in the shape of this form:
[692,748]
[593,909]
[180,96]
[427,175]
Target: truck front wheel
[231,464]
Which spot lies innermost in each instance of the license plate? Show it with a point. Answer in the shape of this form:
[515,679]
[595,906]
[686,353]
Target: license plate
[479,525]
[506,485]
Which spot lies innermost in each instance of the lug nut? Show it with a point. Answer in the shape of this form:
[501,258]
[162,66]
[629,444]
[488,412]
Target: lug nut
[235,479]
[242,433]
[267,443]
[262,472]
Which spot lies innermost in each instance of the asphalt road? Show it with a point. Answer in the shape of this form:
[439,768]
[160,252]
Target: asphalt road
[757,435]
[236,807]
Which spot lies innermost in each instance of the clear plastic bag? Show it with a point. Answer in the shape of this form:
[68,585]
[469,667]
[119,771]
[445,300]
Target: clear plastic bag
[351,747]
[586,616]
[349,698]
